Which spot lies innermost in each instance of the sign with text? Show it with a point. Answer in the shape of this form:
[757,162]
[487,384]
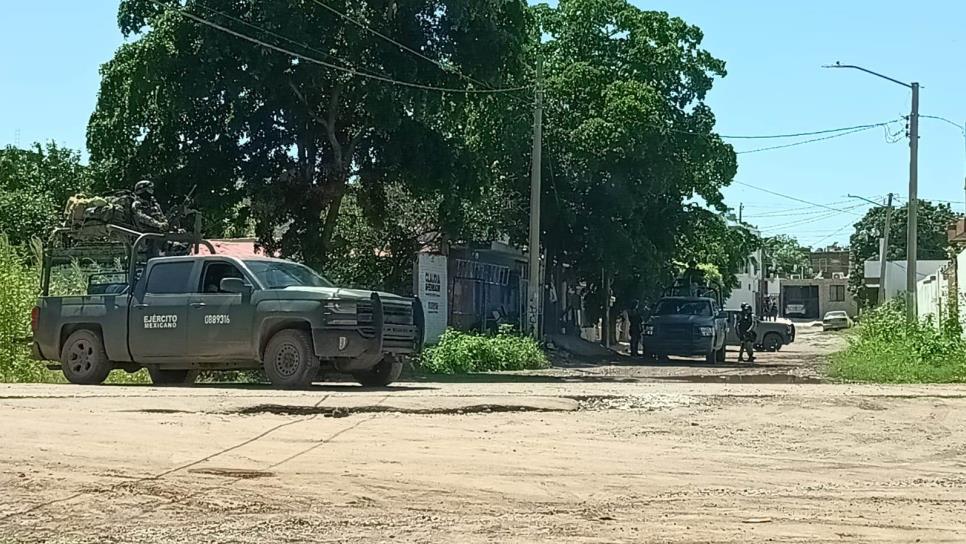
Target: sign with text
[431,287]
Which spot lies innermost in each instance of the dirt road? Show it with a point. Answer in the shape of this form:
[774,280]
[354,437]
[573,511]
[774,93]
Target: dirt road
[588,454]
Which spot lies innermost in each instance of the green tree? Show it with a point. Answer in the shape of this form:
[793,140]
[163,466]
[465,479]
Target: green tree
[933,221]
[784,255]
[186,104]
[628,141]
[35,184]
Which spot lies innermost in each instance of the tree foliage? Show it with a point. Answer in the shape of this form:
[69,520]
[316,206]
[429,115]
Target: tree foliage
[35,184]
[629,141]
[187,104]
[784,255]
[933,221]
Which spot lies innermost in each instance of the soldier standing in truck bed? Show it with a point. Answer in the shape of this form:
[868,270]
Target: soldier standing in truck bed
[145,211]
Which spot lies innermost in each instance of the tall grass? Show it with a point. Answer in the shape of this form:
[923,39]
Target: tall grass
[885,348]
[19,289]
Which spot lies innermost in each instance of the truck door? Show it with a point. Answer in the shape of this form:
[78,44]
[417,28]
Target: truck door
[157,321]
[221,325]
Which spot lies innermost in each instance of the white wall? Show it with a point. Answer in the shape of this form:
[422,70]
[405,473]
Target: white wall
[931,298]
[896,274]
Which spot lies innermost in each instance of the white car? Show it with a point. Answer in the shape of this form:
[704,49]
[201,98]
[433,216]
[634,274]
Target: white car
[834,321]
[795,309]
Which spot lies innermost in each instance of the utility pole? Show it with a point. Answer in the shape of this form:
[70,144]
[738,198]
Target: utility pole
[741,210]
[912,233]
[883,244]
[884,257]
[536,281]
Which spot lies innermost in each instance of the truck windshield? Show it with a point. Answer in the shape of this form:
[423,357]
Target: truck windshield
[280,274]
[683,307]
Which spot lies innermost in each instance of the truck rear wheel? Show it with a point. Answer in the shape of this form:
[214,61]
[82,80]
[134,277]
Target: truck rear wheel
[83,358]
[289,360]
[172,377]
[381,375]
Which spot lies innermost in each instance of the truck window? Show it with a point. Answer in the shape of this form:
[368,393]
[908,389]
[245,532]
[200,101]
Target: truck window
[683,307]
[169,278]
[214,273]
[282,274]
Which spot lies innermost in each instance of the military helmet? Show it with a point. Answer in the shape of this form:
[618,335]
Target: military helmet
[144,186]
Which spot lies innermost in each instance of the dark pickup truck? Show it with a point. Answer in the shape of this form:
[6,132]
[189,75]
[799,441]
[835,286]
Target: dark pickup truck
[179,315]
[686,326]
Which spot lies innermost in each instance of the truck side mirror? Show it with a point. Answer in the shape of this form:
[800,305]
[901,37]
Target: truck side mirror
[235,285]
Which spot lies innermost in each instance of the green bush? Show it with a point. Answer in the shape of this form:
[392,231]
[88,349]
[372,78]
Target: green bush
[460,352]
[885,348]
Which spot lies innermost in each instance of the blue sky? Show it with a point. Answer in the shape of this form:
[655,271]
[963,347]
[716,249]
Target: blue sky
[775,84]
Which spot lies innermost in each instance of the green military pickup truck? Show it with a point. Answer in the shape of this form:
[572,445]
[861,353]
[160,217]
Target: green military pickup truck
[176,316]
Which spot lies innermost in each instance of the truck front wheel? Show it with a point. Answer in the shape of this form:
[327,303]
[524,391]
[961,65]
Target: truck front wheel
[381,375]
[290,361]
[172,377]
[83,358]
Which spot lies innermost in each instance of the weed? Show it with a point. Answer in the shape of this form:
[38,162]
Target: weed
[885,348]
[461,352]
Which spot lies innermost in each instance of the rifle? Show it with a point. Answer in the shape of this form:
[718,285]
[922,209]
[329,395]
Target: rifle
[183,210]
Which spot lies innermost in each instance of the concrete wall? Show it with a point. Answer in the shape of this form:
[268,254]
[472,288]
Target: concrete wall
[825,304]
[746,292]
[933,297]
[896,274]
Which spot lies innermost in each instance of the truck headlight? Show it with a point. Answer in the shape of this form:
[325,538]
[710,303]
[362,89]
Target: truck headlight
[706,331]
[341,307]
[648,330]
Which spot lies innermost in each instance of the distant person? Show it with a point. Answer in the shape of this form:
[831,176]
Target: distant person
[746,334]
[635,322]
[774,310]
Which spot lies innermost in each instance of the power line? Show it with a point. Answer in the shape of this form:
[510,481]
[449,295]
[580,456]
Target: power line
[350,71]
[799,222]
[812,140]
[800,134]
[404,47]
[795,199]
[269,32]
[819,241]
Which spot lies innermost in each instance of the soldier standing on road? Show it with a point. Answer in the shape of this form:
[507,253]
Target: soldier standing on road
[145,210]
[635,322]
[746,334]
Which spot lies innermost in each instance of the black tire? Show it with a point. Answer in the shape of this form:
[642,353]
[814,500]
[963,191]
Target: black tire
[711,357]
[83,358]
[172,377]
[381,375]
[289,360]
[721,354]
[771,342]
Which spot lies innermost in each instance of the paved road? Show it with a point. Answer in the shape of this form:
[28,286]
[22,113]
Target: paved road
[593,453]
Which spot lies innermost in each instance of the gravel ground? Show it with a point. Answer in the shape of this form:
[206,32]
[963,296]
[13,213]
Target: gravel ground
[613,452]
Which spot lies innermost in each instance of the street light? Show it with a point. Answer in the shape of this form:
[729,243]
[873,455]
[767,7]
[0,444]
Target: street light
[913,209]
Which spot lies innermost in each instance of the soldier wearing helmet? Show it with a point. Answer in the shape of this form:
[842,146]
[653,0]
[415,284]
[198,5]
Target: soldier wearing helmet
[145,210]
[745,327]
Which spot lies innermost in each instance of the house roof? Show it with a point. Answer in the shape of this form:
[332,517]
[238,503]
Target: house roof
[234,247]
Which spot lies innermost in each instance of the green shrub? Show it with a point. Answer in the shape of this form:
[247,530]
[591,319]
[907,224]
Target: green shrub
[460,352]
[885,348]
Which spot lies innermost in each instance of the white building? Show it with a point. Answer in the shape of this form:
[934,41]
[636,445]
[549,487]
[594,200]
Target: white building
[749,283]
[896,274]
